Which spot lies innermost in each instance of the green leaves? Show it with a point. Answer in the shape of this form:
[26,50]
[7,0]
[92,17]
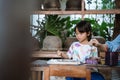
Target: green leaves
[101,29]
[54,24]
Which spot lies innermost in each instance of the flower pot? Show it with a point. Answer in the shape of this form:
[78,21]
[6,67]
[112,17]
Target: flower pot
[52,43]
[51,5]
[74,5]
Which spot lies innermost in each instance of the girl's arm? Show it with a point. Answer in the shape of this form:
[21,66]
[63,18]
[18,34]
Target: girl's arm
[62,54]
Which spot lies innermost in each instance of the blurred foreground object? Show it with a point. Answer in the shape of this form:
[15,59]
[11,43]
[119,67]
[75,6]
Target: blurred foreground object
[15,39]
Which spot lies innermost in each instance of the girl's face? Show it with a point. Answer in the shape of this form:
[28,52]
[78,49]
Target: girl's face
[82,37]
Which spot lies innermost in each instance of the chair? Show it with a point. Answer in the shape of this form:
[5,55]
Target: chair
[67,71]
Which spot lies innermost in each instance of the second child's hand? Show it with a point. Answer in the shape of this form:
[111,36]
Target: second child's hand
[93,42]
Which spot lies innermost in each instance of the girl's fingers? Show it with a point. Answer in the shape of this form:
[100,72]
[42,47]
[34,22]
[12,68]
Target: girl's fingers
[59,53]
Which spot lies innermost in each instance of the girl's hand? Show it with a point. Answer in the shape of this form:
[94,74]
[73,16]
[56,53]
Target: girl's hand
[59,53]
[62,54]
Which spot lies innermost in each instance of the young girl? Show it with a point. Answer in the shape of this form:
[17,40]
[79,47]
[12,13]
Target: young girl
[81,50]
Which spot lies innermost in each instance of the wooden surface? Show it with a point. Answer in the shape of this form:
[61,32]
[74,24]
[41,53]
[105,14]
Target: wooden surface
[109,11]
[40,65]
[45,54]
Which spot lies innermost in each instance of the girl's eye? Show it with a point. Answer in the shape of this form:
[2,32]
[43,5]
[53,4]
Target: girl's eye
[77,34]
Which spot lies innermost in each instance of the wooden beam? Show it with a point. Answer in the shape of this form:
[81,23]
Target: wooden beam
[45,54]
[109,11]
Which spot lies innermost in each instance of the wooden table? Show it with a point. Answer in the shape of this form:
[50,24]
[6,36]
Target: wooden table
[40,65]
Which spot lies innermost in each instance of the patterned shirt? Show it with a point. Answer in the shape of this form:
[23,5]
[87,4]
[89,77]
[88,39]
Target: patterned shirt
[81,52]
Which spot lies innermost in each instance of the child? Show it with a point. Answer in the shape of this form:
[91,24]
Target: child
[109,46]
[81,50]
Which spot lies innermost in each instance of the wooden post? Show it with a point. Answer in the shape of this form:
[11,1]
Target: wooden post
[83,8]
[117,20]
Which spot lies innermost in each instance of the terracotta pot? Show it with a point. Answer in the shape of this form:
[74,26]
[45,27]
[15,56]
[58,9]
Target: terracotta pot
[35,44]
[52,43]
[74,5]
[51,5]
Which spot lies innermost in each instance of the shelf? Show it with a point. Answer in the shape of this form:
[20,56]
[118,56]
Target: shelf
[109,11]
[45,54]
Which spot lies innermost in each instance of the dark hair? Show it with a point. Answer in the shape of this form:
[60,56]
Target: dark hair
[84,26]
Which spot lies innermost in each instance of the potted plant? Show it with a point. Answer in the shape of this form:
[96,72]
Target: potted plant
[51,25]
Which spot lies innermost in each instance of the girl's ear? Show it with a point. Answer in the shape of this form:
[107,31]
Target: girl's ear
[89,33]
